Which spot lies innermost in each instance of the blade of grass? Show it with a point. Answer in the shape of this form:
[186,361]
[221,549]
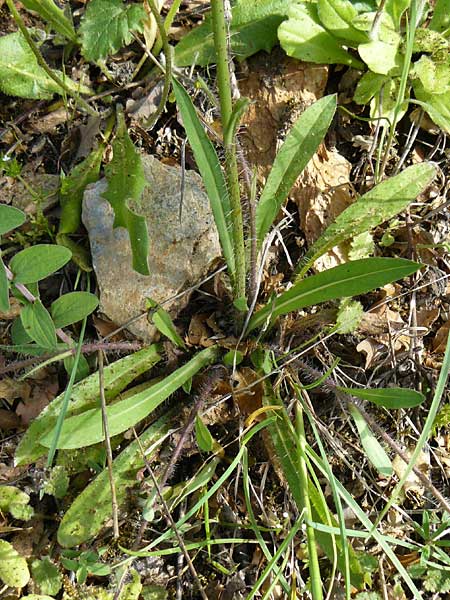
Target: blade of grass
[209,167]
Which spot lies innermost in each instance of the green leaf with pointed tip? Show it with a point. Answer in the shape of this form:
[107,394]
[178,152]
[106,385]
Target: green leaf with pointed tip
[21,75]
[107,25]
[293,156]
[13,567]
[38,324]
[73,307]
[203,436]
[126,182]
[351,279]
[117,377]
[302,36]
[392,398]
[38,262]
[10,218]
[4,288]
[86,429]
[164,324]
[436,105]
[253,27]
[48,10]
[374,450]
[91,509]
[381,203]
[210,170]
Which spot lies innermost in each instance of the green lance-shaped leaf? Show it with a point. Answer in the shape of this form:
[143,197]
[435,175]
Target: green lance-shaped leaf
[38,262]
[210,170]
[48,10]
[253,28]
[117,377]
[383,202]
[107,25]
[10,218]
[38,324]
[205,440]
[73,307]
[392,398]
[373,449]
[21,75]
[302,36]
[92,508]
[4,288]
[295,153]
[126,182]
[86,429]
[350,279]
[164,324]
[13,567]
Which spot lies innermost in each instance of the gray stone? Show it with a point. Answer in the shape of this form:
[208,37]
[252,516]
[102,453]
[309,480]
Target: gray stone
[181,250]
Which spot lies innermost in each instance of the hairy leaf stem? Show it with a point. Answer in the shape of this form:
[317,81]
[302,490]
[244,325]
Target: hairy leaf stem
[231,170]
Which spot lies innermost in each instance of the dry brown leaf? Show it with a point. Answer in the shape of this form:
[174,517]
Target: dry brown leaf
[9,420]
[11,389]
[412,485]
[373,350]
[440,339]
[13,312]
[249,399]
[199,333]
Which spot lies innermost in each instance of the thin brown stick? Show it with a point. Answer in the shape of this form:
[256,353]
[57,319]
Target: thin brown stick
[171,521]
[109,458]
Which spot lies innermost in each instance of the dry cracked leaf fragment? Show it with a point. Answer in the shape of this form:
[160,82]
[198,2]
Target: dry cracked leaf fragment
[412,486]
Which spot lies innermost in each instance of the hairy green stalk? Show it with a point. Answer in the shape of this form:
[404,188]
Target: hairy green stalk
[231,169]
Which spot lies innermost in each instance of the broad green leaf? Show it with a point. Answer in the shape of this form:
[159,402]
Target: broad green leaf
[107,25]
[368,86]
[21,75]
[13,567]
[126,182]
[10,218]
[49,12]
[4,288]
[395,9]
[284,439]
[303,37]
[350,279]
[38,324]
[293,156]
[337,16]
[46,576]
[253,28]
[117,376]
[72,190]
[436,105]
[440,21]
[381,203]
[73,307]
[392,398]
[91,509]
[164,324]
[86,429]
[203,436]
[38,262]
[210,170]
[434,77]
[381,58]
[15,502]
[372,447]
[18,334]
